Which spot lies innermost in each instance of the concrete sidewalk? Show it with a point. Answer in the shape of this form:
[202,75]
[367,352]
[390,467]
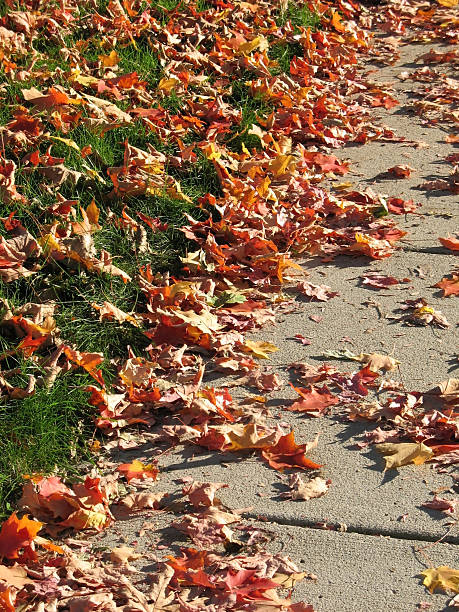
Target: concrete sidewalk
[372,563]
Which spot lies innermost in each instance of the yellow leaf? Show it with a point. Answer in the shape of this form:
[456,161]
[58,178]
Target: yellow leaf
[279,165]
[404,453]
[87,519]
[167,85]
[49,243]
[67,141]
[448,3]
[82,79]
[443,578]
[110,60]
[250,437]
[336,22]
[93,213]
[259,348]
[259,42]
[342,186]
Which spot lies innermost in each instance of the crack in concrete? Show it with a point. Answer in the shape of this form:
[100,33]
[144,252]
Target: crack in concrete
[356,529]
[429,250]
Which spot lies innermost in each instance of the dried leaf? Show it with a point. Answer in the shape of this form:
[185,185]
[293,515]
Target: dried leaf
[441,578]
[397,455]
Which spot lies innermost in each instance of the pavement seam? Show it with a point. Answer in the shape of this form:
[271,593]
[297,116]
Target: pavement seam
[430,251]
[412,536]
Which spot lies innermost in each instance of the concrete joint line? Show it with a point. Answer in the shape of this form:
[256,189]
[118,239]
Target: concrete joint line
[430,251]
[356,529]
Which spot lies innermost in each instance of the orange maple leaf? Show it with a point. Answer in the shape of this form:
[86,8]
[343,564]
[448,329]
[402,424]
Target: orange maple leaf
[287,454]
[137,469]
[314,400]
[450,286]
[16,534]
[450,243]
[7,599]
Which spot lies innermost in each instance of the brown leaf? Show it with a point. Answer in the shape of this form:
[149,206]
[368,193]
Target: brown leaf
[304,490]
[123,554]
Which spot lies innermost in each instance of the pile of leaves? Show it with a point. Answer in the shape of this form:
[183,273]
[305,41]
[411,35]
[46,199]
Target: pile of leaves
[162,166]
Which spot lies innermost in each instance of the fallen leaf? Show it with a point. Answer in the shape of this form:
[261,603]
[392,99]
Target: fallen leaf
[448,506]
[401,171]
[321,293]
[441,578]
[304,490]
[450,286]
[450,243]
[287,454]
[203,493]
[259,348]
[137,469]
[397,455]
[17,534]
[123,554]
[448,3]
[314,400]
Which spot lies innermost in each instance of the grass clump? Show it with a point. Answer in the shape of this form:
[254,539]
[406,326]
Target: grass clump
[43,433]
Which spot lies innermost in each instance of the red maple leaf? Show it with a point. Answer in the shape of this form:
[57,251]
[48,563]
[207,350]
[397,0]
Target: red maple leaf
[246,585]
[16,534]
[137,469]
[450,243]
[314,400]
[287,454]
[450,286]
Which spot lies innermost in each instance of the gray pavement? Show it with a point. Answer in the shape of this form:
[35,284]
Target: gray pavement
[371,565]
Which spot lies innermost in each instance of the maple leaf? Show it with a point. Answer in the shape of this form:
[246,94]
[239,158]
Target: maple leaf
[379,281]
[142,500]
[401,171]
[90,221]
[448,506]
[259,348]
[7,599]
[137,469]
[110,311]
[441,578]
[398,206]
[13,576]
[110,60]
[326,163]
[404,453]
[251,436]
[88,361]
[203,493]
[450,286]
[245,584]
[450,243]
[53,98]
[122,554]
[376,362]
[304,490]
[16,534]
[321,293]
[287,454]
[84,518]
[314,400]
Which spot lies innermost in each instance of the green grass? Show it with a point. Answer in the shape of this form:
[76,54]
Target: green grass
[281,51]
[43,433]
[252,108]
[299,15]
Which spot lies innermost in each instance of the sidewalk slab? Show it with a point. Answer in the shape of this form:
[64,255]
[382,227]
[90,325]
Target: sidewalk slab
[354,573]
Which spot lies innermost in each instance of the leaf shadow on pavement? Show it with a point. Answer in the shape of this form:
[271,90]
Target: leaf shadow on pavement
[387,476]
